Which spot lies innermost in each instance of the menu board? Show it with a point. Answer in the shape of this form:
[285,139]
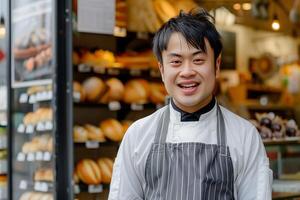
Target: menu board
[31,44]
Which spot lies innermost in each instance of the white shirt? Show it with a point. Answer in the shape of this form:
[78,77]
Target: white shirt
[252,176]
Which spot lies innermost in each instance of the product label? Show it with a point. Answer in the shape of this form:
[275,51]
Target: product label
[23,98]
[47,156]
[48,126]
[76,97]
[113,72]
[21,157]
[40,126]
[92,144]
[99,70]
[137,107]
[21,128]
[41,186]
[39,156]
[32,99]
[114,105]
[84,68]
[29,129]
[95,188]
[76,189]
[30,157]
[23,185]
[135,72]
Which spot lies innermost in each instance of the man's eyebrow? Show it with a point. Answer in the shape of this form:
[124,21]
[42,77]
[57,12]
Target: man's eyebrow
[198,52]
[174,55]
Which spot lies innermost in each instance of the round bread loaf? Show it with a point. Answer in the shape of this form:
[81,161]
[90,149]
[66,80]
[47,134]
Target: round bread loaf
[94,88]
[88,172]
[136,91]
[112,129]
[94,133]
[80,134]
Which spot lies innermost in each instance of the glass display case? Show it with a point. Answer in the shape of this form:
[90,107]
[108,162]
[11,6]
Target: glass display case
[38,94]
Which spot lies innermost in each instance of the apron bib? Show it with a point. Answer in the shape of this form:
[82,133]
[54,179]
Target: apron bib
[189,171]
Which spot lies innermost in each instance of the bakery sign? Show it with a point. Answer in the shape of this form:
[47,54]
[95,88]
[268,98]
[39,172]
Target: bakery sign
[31,44]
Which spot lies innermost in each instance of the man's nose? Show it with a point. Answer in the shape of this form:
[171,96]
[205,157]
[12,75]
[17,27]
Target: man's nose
[187,69]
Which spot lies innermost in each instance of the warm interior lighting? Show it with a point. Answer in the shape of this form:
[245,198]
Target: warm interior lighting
[246,6]
[275,23]
[237,6]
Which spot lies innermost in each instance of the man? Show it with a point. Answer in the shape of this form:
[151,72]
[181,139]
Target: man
[191,149]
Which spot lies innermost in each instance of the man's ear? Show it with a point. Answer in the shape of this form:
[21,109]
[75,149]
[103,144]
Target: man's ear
[161,69]
[218,64]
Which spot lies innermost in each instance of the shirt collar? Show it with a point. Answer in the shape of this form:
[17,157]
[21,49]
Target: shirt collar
[195,116]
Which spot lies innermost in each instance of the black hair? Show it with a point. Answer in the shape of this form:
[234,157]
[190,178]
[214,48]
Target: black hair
[194,26]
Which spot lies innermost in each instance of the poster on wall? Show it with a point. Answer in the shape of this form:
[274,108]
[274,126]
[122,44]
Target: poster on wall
[31,43]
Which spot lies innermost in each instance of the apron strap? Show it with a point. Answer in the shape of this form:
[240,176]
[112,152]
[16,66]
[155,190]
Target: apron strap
[162,127]
[221,131]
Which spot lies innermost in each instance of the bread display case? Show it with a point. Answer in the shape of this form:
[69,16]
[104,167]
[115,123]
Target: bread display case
[38,60]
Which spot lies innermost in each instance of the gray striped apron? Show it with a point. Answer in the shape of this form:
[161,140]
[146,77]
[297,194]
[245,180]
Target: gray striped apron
[189,171]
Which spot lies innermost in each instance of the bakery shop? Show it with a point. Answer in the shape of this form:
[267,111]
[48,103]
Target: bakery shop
[153,99]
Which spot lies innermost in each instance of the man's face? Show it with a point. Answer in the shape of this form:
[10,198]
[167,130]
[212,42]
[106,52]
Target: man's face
[189,74]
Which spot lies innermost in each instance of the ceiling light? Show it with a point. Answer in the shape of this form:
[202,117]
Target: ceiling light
[246,6]
[2,27]
[237,6]
[275,23]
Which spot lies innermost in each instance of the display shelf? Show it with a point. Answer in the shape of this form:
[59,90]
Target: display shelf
[92,189]
[115,106]
[90,70]
[95,144]
[285,141]
[38,186]
[35,156]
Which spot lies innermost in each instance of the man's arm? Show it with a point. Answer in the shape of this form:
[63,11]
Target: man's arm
[254,180]
[126,184]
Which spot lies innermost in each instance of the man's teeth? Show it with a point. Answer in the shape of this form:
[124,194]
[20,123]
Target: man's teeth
[188,85]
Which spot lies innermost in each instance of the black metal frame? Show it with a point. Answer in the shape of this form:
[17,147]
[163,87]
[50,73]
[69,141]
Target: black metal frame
[63,100]
[9,104]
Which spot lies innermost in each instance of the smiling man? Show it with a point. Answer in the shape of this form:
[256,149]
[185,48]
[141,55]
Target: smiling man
[193,148]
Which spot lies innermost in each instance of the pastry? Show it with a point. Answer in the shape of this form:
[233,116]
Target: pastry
[115,91]
[106,168]
[112,129]
[88,172]
[94,88]
[94,133]
[136,91]
[158,93]
[80,134]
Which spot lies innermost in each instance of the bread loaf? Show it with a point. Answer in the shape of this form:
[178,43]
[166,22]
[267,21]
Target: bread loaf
[88,172]
[80,134]
[106,168]
[94,88]
[136,91]
[112,129]
[94,133]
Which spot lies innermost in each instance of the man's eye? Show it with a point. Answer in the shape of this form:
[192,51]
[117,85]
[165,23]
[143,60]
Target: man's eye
[198,61]
[175,62]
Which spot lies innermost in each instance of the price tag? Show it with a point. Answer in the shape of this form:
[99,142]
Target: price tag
[48,126]
[92,144]
[120,32]
[113,72]
[3,142]
[114,105]
[76,189]
[38,97]
[32,99]
[95,188]
[23,98]
[49,95]
[23,185]
[84,68]
[99,70]
[76,96]
[30,157]
[3,166]
[39,156]
[21,128]
[29,129]
[21,157]
[155,73]
[135,72]
[40,186]
[47,156]
[135,106]
[40,126]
